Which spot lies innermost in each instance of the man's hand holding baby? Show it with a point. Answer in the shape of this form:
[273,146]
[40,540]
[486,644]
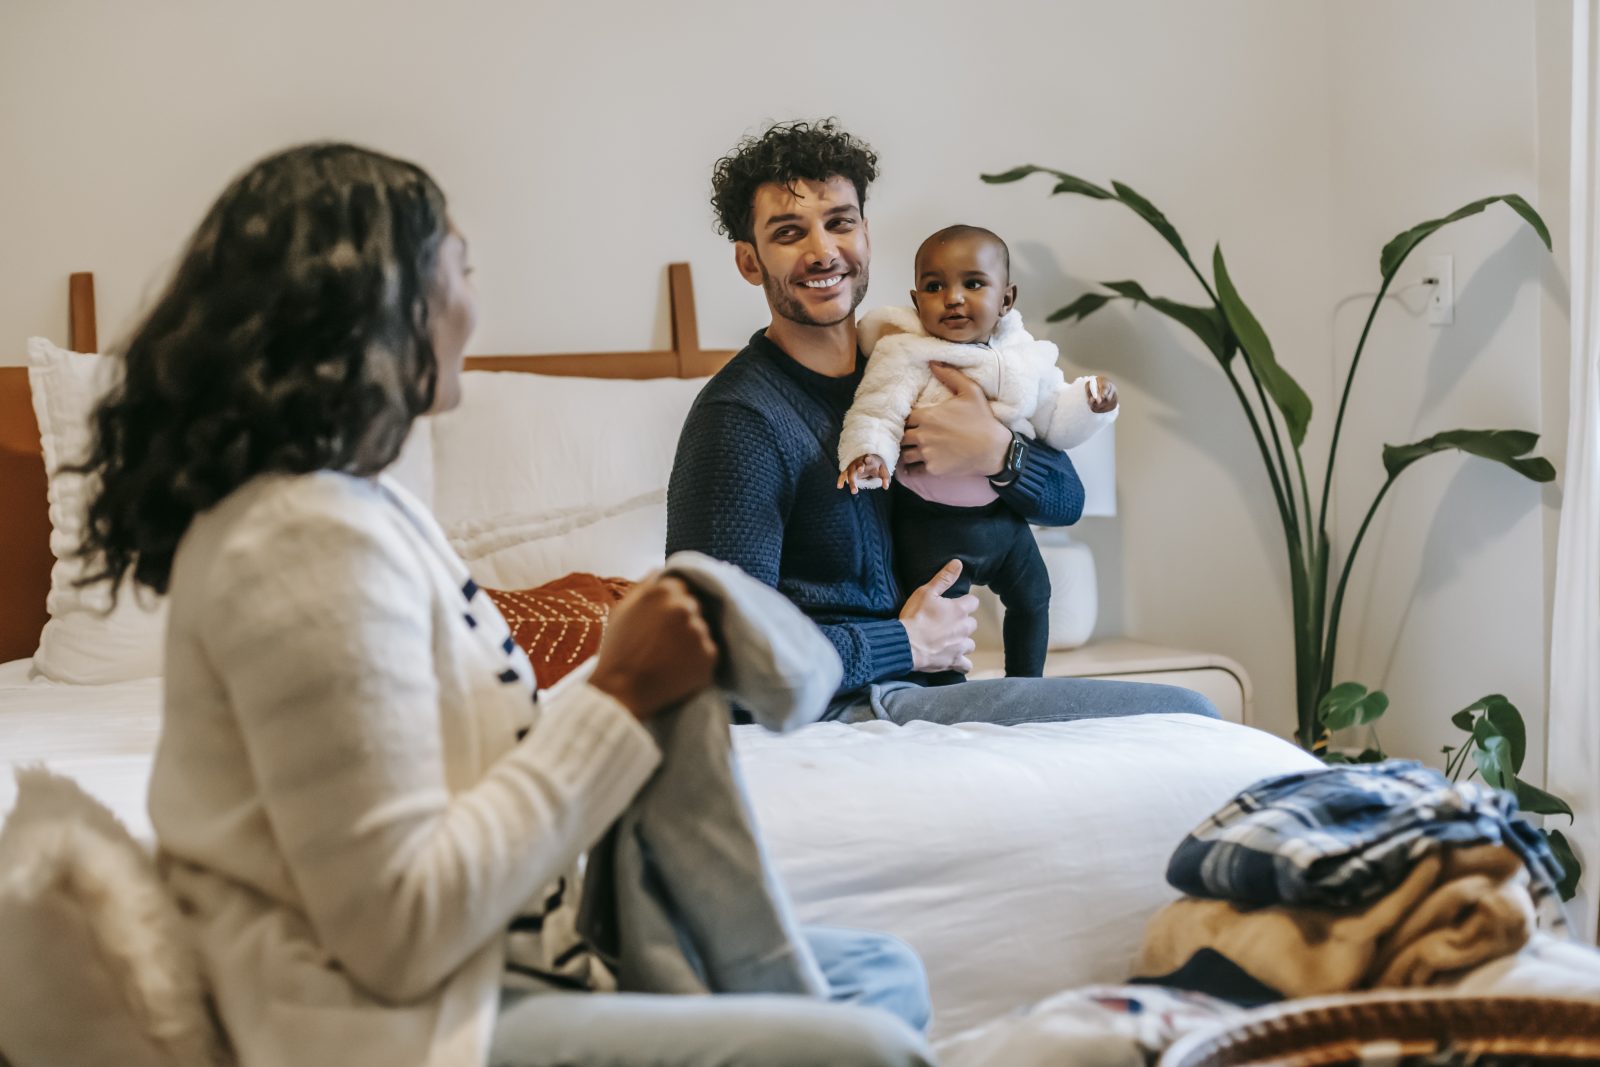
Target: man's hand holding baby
[939,628]
[956,436]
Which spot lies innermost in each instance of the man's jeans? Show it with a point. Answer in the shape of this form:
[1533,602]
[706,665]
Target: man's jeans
[1011,701]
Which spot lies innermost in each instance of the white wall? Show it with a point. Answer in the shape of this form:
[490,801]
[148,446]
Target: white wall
[575,143]
[1436,104]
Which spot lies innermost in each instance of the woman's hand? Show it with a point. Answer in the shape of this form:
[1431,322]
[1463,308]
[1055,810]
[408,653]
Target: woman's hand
[956,436]
[657,649]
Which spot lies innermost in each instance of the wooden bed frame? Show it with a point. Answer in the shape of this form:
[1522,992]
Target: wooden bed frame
[25,558]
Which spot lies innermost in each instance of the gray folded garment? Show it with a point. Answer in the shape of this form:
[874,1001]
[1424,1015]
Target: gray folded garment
[680,895]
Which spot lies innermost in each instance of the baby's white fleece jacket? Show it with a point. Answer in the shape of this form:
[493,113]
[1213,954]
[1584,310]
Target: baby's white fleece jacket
[1026,390]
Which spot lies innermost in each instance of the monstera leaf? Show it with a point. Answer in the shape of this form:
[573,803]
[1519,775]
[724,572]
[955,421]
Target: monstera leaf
[1498,715]
[1350,704]
[1535,801]
[1570,870]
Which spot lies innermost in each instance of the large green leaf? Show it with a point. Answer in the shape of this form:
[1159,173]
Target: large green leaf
[1506,447]
[1536,801]
[1396,251]
[1081,308]
[1492,754]
[1066,183]
[1130,289]
[1205,323]
[1069,184]
[1151,214]
[1337,708]
[1499,716]
[1571,871]
[1505,717]
[1283,389]
[1350,704]
[1126,194]
[1016,174]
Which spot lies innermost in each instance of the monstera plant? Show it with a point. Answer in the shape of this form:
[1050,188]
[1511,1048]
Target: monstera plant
[1279,415]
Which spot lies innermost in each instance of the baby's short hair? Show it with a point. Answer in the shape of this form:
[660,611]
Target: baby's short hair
[961,230]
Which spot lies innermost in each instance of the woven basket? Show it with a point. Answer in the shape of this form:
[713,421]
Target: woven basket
[1401,1030]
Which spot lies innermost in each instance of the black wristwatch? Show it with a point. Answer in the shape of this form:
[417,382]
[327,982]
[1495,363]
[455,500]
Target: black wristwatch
[1016,453]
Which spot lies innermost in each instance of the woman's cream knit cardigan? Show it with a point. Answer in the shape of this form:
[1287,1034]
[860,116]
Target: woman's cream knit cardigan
[339,794]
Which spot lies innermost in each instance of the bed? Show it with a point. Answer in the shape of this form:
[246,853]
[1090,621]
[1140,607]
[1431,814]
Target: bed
[1018,861]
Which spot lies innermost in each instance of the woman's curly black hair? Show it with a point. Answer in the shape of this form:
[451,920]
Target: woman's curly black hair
[787,152]
[292,338]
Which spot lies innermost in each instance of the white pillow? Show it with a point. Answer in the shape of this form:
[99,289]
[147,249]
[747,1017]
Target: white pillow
[536,476]
[80,643]
[97,966]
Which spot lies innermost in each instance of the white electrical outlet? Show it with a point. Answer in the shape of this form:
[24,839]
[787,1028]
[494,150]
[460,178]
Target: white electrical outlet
[1442,298]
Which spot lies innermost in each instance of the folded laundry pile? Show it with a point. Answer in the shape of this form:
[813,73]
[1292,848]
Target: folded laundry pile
[1345,878]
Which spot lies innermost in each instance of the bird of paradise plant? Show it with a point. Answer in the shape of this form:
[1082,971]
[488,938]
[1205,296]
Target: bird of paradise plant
[1278,412]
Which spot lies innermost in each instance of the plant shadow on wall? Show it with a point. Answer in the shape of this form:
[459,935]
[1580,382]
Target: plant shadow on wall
[1279,414]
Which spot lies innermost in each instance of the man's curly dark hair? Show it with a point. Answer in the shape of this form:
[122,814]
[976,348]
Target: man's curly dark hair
[292,338]
[787,152]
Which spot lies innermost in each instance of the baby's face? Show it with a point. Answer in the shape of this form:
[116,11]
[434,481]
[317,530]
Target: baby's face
[962,288]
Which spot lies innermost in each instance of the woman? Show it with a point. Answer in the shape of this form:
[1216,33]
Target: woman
[353,791]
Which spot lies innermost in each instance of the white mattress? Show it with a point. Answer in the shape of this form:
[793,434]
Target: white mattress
[101,735]
[1019,861]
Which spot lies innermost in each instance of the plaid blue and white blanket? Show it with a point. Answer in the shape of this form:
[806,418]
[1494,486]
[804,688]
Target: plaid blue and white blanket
[1339,837]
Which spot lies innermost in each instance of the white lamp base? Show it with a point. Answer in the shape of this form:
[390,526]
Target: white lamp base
[1074,593]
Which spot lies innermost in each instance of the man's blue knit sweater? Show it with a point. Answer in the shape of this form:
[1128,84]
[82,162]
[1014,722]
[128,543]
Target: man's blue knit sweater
[754,483]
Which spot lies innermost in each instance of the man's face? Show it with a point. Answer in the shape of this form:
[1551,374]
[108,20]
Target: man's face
[962,288]
[810,251]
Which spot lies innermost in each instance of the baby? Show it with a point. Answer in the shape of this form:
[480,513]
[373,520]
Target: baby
[964,317]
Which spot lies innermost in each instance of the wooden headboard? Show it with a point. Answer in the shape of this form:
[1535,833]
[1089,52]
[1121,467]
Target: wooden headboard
[25,558]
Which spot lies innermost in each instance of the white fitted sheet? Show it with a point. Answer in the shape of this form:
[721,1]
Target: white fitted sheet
[100,735]
[1018,861]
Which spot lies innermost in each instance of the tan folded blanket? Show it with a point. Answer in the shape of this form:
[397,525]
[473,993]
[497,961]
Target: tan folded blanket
[1458,909]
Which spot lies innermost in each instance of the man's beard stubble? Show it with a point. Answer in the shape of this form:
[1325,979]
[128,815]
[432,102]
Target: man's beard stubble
[785,305]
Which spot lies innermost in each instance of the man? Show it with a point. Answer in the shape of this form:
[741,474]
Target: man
[755,478]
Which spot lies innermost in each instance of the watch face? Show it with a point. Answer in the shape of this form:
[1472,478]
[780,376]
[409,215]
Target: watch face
[1014,457]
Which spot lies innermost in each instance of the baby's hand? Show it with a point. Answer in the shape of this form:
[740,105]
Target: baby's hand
[1102,394]
[863,468]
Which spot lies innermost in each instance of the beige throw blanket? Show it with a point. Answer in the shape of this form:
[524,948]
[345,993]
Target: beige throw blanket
[1458,909]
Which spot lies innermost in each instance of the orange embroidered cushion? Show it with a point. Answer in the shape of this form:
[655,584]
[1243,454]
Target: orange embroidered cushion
[559,624]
